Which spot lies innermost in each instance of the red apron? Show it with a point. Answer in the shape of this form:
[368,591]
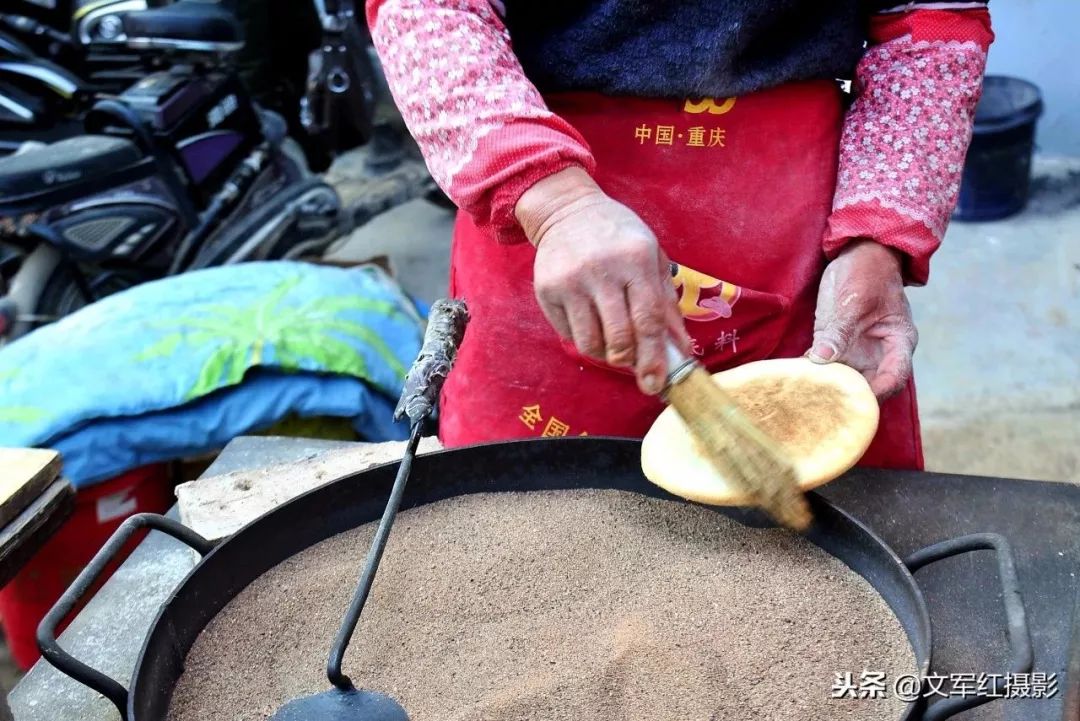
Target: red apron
[738,192]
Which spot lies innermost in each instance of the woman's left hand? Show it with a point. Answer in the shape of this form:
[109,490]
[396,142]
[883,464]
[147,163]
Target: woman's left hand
[863,317]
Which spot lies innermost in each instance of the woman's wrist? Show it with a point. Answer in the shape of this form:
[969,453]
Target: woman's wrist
[887,259]
[551,198]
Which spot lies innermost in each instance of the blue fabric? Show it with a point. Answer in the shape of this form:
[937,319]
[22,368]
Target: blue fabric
[111,446]
[182,365]
[422,308]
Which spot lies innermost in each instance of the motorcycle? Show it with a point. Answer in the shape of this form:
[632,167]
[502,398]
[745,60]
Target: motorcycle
[323,42]
[84,36]
[184,170]
[39,99]
[180,171]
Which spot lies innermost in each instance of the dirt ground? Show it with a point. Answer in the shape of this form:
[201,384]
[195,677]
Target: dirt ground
[998,363]
[1035,445]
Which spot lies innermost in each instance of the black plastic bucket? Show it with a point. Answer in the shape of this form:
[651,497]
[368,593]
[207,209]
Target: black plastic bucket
[997,172]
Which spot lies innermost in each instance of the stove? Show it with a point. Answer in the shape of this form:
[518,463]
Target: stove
[910,510]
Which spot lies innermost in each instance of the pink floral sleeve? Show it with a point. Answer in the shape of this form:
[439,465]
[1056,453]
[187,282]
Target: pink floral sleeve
[483,128]
[907,133]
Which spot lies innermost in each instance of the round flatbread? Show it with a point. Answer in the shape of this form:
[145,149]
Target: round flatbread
[824,417]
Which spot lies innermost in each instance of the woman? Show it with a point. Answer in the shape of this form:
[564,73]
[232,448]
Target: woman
[628,170]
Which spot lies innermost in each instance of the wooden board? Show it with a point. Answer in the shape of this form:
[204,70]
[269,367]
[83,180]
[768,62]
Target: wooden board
[28,532]
[218,506]
[24,474]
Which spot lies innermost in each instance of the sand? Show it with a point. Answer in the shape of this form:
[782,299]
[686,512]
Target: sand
[579,605]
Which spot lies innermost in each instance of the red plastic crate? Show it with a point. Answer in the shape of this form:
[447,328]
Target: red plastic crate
[99,510]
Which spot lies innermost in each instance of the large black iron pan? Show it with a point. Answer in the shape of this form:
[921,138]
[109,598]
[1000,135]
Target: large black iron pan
[550,464]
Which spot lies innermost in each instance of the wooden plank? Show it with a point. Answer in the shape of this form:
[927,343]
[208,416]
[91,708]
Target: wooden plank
[24,474]
[24,536]
[218,506]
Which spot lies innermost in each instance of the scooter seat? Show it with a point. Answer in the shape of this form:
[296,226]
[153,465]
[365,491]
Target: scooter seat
[67,161]
[195,25]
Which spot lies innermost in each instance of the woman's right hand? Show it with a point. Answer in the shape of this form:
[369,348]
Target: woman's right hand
[600,276]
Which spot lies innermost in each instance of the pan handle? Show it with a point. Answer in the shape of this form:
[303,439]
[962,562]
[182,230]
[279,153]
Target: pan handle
[1019,633]
[445,330]
[46,631]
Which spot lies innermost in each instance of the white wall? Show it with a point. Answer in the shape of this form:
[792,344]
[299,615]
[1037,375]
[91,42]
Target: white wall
[1037,41]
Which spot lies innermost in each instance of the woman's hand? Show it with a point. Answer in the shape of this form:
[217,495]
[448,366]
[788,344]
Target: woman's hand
[863,317]
[600,276]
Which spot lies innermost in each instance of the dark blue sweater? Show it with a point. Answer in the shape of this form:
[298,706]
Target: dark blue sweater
[681,48]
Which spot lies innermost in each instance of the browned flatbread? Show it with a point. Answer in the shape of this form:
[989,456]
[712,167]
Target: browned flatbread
[824,417]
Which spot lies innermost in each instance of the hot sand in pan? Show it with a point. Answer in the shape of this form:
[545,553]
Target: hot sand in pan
[598,605]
